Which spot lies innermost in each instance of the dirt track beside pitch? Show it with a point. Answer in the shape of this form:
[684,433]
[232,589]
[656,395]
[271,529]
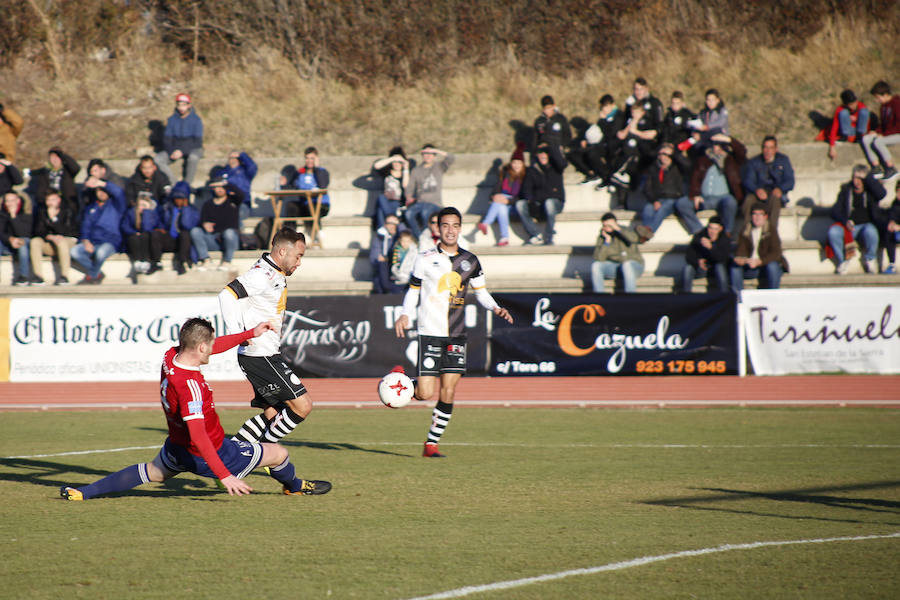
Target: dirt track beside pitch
[823,390]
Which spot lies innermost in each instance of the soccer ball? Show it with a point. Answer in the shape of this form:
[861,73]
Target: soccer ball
[396,390]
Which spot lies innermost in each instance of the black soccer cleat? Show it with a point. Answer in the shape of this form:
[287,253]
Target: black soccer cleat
[70,493]
[309,487]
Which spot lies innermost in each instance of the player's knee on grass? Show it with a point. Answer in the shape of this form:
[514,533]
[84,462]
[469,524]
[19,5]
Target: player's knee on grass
[273,455]
[302,405]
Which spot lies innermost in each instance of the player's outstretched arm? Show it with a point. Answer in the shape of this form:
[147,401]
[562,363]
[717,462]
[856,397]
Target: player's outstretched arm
[227,342]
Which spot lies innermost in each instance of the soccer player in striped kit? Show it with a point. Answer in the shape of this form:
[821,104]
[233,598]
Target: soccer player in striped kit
[437,296]
[260,294]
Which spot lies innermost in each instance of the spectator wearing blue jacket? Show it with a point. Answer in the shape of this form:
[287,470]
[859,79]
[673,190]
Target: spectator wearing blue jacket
[182,139]
[767,179]
[101,234]
[140,224]
[178,217]
[239,171]
[311,176]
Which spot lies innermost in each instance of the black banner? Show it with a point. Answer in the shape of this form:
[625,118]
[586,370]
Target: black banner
[353,336]
[585,334]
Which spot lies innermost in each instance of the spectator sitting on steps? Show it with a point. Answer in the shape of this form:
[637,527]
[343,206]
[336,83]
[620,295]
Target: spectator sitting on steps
[891,232]
[767,179]
[506,192]
[424,194]
[178,218]
[543,193]
[758,254]
[182,140]
[147,178]
[707,256]
[875,143]
[218,229]
[716,179]
[101,234]
[55,234]
[856,216]
[15,235]
[664,190]
[395,173]
[616,254]
[849,124]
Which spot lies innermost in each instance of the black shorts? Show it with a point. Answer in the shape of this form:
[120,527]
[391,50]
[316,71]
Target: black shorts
[272,379]
[439,355]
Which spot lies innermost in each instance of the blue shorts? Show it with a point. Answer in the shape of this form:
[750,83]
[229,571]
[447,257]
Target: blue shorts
[240,458]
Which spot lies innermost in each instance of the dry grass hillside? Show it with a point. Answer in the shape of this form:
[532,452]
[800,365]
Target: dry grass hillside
[101,106]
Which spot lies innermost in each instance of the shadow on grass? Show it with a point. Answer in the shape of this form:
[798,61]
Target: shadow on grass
[315,445]
[822,496]
[55,475]
[341,446]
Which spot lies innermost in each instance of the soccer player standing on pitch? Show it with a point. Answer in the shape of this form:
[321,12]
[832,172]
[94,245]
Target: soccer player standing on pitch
[437,296]
[260,294]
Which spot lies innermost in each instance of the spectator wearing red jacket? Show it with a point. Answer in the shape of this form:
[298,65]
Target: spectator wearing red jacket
[850,122]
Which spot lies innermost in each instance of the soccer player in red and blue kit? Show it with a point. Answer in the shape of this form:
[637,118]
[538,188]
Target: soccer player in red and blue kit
[196,441]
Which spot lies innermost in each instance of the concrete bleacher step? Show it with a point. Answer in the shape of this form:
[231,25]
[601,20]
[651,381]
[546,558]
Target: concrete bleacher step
[577,228]
[511,263]
[537,284]
[471,198]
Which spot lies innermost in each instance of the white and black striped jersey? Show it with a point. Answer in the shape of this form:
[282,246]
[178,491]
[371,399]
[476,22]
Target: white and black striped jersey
[437,291]
[258,295]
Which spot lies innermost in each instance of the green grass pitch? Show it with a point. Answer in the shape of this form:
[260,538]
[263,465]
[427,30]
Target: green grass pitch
[524,493]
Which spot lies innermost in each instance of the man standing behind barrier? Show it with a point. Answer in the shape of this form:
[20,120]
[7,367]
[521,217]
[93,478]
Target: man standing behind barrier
[437,296]
[260,294]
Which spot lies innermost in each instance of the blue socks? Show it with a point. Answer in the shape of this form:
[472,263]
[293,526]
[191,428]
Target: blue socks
[286,475]
[127,478]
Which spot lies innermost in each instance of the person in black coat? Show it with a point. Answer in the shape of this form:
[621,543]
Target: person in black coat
[59,174]
[15,230]
[9,175]
[856,211]
[708,254]
[543,193]
[55,232]
[149,179]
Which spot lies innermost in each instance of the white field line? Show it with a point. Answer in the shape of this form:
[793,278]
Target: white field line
[636,562]
[515,445]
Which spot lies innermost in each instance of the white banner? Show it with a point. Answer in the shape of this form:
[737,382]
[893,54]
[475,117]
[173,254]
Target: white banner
[822,330]
[106,339]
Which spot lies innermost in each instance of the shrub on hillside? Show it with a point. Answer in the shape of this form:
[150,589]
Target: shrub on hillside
[365,41]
